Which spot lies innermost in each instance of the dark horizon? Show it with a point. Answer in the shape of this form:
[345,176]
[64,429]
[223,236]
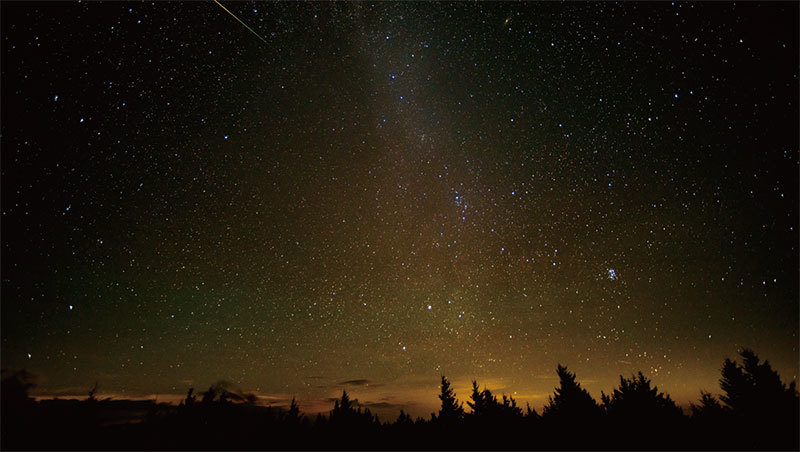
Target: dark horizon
[754,401]
[386,411]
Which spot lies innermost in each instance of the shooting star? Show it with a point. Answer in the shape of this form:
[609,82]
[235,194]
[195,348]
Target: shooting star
[240,21]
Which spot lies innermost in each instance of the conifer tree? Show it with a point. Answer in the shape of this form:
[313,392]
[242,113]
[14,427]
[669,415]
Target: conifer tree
[451,410]
[482,401]
[709,407]
[571,400]
[293,414]
[404,419]
[636,401]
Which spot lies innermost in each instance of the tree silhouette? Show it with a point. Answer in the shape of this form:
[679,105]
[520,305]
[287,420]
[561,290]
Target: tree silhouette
[503,419]
[404,419]
[531,419]
[345,415]
[481,400]
[509,409]
[345,404]
[484,404]
[190,399]
[711,423]
[635,400]
[709,407]
[760,402]
[636,406]
[739,389]
[755,405]
[753,387]
[530,413]
[293,414]
[209,396]
[570,408]
[571,400]
[451,411]
[92,393]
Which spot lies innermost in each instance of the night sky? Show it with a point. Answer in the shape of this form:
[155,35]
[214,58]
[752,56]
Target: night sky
[377,194]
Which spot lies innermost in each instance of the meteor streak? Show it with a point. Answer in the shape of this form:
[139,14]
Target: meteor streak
[240,21]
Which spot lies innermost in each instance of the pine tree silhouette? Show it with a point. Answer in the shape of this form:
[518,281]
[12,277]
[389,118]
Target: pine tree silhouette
[293,415]
[638,407]
[571,408]
[754,387]
[451,411]
[480,401]
[530,413]
[760,403]
[756,411]
[404,419]
[709,407]
[190,399]
[209,396]
[531,419]
[509,408]
[738,388]
[345,416]
[345,404]
[571,400]
[635,400]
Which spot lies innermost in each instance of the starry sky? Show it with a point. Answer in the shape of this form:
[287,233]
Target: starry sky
[370,195]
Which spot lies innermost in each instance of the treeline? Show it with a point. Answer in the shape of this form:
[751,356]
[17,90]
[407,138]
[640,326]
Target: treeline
[755,411]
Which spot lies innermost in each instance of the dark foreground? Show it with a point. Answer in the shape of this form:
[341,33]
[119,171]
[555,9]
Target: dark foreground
[232,427]
[756,411]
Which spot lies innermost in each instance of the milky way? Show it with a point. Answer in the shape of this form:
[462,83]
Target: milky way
[384,193]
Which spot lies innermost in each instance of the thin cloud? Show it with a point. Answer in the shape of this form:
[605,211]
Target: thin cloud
[382,405]
[534,396]
[361,382]
[279,400]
